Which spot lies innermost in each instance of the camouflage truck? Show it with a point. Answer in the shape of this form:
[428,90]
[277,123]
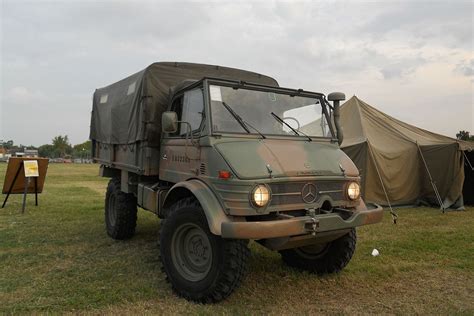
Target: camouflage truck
[224,156]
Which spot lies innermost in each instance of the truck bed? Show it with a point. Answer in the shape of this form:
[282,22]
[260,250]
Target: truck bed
[138,157]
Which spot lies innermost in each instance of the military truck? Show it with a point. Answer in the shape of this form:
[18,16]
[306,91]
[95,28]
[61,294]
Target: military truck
[224,156]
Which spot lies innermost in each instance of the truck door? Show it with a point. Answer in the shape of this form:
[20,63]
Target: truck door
[180,151]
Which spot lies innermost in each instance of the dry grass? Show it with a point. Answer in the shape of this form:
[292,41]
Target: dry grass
[58,258]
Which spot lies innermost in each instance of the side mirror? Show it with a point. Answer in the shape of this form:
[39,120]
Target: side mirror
[169,122]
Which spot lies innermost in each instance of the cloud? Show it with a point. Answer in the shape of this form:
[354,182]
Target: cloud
[22,96]
[466,68]
[54,54]
[434,22]
[402,67]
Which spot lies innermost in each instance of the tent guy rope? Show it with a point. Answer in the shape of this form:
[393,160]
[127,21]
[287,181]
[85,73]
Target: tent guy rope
[392,212]
[433,184]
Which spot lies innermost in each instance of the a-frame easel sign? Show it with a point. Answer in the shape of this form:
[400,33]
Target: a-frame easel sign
[24,175]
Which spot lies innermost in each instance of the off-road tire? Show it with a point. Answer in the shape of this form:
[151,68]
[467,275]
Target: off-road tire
[120,211]
[333,257]
[228,257]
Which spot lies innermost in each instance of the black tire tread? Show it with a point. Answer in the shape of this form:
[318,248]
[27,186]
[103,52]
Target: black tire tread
[334,260]
[126,205]
[232,272]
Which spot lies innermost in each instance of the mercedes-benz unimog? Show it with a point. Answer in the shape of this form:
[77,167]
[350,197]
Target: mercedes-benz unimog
[224,156]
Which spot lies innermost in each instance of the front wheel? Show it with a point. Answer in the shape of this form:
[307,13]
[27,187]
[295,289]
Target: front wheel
[200,266]
[322,258]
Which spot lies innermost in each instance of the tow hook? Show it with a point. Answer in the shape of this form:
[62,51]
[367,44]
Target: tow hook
[313,224]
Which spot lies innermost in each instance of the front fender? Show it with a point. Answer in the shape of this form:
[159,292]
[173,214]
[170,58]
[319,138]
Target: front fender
[215,214]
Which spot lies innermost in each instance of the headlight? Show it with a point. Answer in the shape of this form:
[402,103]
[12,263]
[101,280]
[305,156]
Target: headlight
[260,195]
[353,191]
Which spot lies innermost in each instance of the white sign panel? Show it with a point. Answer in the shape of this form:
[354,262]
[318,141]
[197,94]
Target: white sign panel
[31,168]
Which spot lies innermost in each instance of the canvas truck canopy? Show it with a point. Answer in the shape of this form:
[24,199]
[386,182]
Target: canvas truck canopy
[130,110]
[402,164]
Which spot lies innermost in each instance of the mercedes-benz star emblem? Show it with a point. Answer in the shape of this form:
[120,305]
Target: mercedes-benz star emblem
[308,193]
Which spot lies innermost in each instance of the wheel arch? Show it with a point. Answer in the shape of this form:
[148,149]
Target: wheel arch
[213,210]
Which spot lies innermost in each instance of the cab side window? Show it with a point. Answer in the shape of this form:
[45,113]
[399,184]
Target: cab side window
[189,108]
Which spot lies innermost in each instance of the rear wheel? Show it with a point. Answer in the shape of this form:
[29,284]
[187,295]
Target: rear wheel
[322,258]
[200,266]
[120,211]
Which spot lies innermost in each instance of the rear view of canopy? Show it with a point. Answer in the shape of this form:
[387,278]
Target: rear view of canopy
[401,164]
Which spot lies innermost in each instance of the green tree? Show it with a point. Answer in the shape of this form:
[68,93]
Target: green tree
[82,150]
[8,144]
[463,135]
[46,151]
[61,145]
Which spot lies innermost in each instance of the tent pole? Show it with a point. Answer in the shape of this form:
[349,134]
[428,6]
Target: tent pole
[433,184]
[467,159]
[394,215]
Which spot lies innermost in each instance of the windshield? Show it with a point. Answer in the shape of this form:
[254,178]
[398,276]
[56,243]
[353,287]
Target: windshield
[303,115]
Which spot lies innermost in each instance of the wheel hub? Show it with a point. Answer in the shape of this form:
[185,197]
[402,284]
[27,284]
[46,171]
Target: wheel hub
[198,249]
[191,252]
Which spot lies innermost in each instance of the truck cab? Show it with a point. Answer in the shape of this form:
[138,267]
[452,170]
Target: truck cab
[265,154]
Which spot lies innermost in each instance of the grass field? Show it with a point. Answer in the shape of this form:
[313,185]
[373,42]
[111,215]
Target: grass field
[57,258]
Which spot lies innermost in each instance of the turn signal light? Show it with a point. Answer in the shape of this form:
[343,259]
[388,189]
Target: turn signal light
[224,174]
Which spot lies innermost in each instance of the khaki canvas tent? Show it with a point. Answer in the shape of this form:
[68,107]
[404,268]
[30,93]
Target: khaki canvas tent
[401,164]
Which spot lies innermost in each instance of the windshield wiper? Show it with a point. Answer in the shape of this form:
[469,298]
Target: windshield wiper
[279,119]
[242,123]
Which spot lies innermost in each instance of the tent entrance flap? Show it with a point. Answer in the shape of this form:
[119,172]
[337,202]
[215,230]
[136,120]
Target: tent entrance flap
[467,159]
[435,188]
[468,187]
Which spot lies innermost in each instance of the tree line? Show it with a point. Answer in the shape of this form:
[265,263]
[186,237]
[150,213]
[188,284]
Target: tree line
[464,135]
[60,147]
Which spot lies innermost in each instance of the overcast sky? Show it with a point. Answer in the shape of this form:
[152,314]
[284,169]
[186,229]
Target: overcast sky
[413,60]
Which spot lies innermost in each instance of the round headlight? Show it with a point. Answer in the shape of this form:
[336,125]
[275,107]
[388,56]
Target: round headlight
[353,191]
[260,195]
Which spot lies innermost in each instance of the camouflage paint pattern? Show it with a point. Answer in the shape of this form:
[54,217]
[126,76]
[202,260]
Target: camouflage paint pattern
[285,164]
[294,162]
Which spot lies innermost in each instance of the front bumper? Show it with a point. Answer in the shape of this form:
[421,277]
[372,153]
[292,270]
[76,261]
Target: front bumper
[372,214]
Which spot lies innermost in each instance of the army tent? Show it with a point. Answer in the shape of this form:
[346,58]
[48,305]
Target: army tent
[402,164]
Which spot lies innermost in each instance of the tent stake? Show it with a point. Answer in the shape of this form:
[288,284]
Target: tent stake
[433,184]
[394,215]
